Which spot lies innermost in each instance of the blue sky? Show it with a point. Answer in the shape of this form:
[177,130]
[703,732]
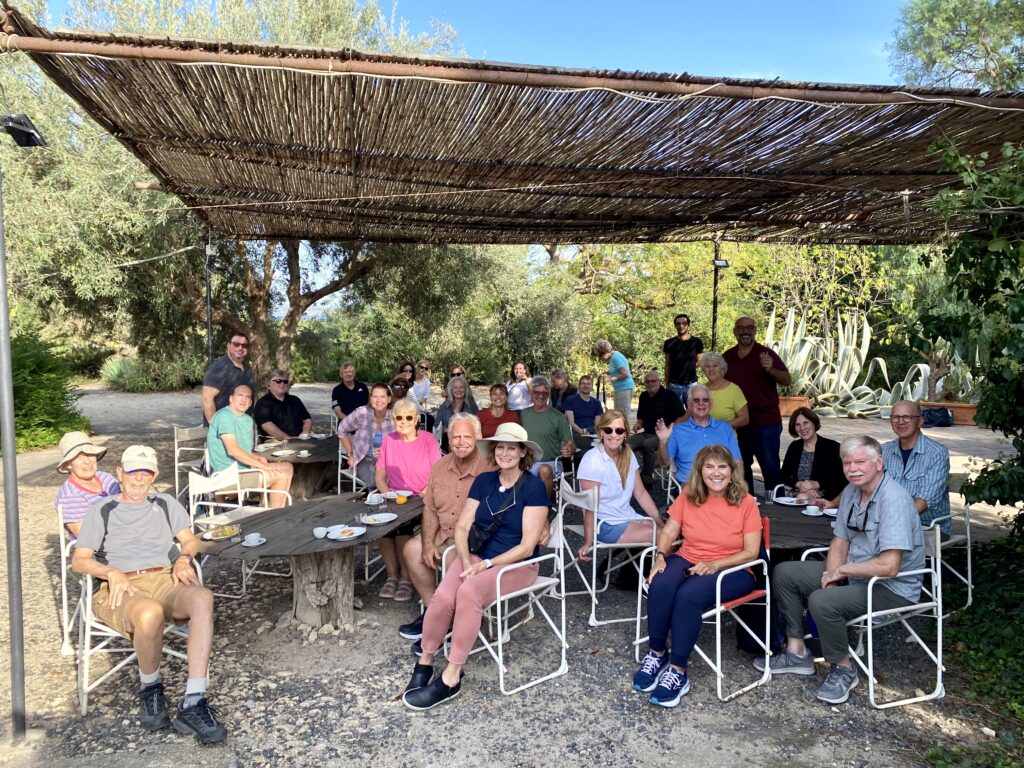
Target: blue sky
[816,40]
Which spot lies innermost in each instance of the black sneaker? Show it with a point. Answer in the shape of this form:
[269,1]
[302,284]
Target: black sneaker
[200,721]
[413,630]
[421,675]
[416,649]
[154,707]
[431,695]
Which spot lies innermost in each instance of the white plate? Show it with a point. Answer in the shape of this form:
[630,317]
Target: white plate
[285,452]
[830,512]
[381,518]
[318,435]
[356,530]
[265,447]
[369,503]
[407,494]
[213,521]
[789,501]
[391,495]
[263,540]
[811,513]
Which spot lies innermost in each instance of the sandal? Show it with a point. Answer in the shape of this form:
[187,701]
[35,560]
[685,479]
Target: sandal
[387,592]
[404,592]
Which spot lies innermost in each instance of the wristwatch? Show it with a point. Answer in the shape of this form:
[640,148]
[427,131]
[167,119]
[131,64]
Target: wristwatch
[488,563]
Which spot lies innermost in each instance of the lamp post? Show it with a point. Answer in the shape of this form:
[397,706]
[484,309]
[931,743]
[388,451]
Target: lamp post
[24,134]
[720,264]
[211,253]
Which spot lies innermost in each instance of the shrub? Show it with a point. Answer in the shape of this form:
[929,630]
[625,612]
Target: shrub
[134,374]
[44,399]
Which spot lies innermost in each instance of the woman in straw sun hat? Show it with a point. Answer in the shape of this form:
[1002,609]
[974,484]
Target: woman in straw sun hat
[78,458]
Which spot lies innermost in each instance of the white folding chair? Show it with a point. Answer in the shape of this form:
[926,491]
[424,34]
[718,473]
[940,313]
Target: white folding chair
[347,470]
[96,638]
[67,546]
[935,547]
[550,587]
[589,501]
[758,596]
[203,495]
[928,607]
[197,461]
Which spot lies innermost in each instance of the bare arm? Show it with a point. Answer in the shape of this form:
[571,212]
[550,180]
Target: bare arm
[751,546]
[209,406]
[572,423]
[236,452]
[273,430]
[643,498]
[742,418]
[382,480]
[838,551]
[118,585]
[307,426]
[663,433]
[182,571]
[669,533]
[886,564]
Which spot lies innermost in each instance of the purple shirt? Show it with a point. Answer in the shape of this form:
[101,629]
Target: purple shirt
[74,500]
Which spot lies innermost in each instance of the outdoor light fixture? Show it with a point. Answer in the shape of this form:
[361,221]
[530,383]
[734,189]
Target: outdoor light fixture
[719,264]
[22,131]
[25,135]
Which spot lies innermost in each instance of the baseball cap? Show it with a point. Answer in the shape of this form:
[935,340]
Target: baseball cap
[138,457]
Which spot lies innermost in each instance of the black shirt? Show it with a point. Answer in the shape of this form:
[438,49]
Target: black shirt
[664,405]
[682,358]
[224,376]
[287,415]
[350,399]
[559,396]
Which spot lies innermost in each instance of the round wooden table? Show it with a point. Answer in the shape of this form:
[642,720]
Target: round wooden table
[309,471]
[791,529]
[323,570]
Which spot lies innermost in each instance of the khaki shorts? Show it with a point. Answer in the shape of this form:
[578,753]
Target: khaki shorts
[156,585]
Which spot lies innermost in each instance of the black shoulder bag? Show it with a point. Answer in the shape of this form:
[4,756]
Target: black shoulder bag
[478,535]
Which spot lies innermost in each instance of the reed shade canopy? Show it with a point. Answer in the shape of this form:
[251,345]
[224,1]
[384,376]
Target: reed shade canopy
[267,142]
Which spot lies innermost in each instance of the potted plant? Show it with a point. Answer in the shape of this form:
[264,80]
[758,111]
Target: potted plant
[950,383]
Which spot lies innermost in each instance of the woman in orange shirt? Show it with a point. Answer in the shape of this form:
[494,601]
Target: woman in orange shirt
[721,527]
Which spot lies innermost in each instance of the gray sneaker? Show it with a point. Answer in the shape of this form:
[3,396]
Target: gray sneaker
[837,686]
[787,663]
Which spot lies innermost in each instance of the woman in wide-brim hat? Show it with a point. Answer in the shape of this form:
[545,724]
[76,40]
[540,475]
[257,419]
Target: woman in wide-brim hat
[511,506]
[78,458]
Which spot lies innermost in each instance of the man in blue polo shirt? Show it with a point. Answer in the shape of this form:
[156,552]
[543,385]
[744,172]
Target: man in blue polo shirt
[582,410]
[681,442]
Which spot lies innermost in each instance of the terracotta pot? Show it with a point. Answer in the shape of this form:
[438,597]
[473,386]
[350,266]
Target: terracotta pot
[963,413]
[789,403]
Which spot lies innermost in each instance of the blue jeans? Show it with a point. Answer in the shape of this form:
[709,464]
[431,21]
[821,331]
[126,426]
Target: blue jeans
[682,390]
[676,601]
[761,443]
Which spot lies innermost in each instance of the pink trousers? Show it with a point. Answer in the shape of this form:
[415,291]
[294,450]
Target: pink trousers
[459,603]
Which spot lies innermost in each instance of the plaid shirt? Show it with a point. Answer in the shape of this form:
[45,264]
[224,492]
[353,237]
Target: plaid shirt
[446,492]
[924,476]
[360,424]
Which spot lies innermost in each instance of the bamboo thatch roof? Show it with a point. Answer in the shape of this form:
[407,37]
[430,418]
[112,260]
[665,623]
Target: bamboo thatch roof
[265,141]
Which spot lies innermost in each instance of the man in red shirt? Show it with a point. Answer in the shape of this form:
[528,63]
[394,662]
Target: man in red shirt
[758,371]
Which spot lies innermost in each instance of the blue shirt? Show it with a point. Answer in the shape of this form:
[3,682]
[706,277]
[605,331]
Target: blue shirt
[616,361]
[689,437]
[584,412]
[924,475]
[887,520]
[529,493]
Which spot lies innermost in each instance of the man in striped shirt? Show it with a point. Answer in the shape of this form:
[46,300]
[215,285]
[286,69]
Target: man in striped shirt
[918,463]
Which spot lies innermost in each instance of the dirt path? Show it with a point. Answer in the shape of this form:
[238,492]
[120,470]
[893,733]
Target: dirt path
[289,698]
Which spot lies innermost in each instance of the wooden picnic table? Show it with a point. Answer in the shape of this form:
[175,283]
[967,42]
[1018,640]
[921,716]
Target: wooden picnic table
[310,470]
[323,570]
[791,529]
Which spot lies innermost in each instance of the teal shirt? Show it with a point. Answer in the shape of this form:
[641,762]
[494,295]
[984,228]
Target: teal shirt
[227,422]
[616,361]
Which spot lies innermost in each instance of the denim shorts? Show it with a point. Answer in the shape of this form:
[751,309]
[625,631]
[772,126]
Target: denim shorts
[610,533]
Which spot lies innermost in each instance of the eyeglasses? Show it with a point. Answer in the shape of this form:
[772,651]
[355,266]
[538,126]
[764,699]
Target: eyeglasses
[540,393]
[902,419]
[613,430]
[240,344]
[280,381]
[403,417]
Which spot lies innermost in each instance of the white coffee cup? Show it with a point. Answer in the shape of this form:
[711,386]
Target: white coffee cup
[253,538]
[374,498]
[303,454]
[813,509]
[320,532]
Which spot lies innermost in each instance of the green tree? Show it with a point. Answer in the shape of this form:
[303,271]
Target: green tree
[961,43]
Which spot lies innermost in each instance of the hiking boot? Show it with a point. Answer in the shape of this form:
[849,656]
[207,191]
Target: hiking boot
[200,721]
[838,684]
[154,707]
[787,663]
[413,630]
[646,678]
[672,686]
[432,694]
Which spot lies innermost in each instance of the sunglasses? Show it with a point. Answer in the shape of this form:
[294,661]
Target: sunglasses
[613,430]
[403,417]
[240,344]
[859,525]
[458,373]
[280,381]
[700,400]
[424,367]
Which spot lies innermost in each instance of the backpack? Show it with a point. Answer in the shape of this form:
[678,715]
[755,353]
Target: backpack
[937,417]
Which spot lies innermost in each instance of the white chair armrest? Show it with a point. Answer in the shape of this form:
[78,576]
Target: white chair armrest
[812,551]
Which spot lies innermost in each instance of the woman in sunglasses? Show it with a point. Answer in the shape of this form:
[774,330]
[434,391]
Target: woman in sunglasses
[407,370]
[613,469]
[403,464]
[721,528]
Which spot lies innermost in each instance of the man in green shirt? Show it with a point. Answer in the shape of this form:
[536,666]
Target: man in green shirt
[549,428]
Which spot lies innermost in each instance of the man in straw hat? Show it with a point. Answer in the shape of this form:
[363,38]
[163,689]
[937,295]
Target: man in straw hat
[124,542]
[79,457]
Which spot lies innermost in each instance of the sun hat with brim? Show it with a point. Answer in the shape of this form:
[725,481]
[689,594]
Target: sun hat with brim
[136,457]
[74,443]
[510,433]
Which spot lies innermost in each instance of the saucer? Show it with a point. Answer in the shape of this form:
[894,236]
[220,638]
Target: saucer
[263,540]
[809,513]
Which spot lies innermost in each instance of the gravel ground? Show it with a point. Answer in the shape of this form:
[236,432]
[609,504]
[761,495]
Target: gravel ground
[292,698]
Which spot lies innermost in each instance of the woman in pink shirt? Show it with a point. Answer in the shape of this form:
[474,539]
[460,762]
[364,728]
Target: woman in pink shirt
[404,463]
[721,527]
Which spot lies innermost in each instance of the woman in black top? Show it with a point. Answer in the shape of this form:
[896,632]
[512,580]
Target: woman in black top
[812,465]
